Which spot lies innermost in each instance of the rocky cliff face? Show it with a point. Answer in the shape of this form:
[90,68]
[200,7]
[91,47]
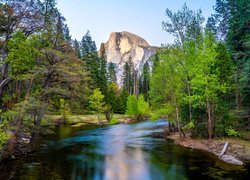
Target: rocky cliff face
[122,46]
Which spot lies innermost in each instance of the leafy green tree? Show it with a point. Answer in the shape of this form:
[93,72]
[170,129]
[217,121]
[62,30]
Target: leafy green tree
[184,25]
[206,83]
[143,107]
[132,106]
[96,103]
[15,16]
[166,87]
[64,109]
[112,95]
[22,52]
[38,67]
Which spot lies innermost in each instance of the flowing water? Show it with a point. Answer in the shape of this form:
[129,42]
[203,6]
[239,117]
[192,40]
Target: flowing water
[124,151]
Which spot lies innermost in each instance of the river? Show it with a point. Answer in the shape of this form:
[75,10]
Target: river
[119,152]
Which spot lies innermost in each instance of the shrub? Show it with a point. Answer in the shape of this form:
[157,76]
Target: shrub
[113,121]
[232,132]
[132,106]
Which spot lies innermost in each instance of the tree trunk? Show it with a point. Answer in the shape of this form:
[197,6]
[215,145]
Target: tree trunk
[237,91]
[18,90]
[181,133]
[99,119]
[189,102]
[29,89]
[209,124]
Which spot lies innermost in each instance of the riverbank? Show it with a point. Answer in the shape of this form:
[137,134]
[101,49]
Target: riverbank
[23,144]
[82,120]
[237,152]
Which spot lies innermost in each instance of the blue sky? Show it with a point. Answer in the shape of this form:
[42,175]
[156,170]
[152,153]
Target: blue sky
[141,17]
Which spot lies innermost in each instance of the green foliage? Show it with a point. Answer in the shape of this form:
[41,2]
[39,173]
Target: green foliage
[132,106]
[124,98]
[96,101]
[189,125]
[161,113]
[128,76]
[64,109]
[114,121]
[3,135]
[22,52]
[88,46]
[143,107]
[144,81]
[184,24]
[3,139]
[108,112]
[112,73]
[232,132]
[137,108]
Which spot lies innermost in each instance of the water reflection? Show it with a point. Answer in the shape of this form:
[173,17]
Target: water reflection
[122,162]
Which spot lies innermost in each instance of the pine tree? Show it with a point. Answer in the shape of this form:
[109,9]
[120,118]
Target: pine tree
[88,46]
[112,73]
[128,76]
[144,81]
[91,59]
[77,49]
[66,34]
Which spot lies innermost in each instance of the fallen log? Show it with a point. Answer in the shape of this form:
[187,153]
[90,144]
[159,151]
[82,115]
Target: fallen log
[224,149]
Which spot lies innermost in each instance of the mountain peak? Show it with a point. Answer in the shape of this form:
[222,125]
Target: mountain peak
[122,46]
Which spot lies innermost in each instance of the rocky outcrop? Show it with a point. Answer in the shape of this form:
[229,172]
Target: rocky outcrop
[122,46]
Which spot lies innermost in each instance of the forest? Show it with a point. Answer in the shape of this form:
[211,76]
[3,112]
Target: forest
[200,83]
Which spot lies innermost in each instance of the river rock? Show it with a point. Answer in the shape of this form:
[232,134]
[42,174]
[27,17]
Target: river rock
[25,140]
[231,159]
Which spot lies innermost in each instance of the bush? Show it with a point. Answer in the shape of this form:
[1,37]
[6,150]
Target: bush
[232,132]
[132,106]
[113,121]
[3,138]
[143,107]
[189,126]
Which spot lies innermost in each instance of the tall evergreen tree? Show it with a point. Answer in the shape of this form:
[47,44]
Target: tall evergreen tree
[128,76]
[88,46]
[144,81]
[112,73]
[233,22]
[66,33]
[77,49]
[91,59]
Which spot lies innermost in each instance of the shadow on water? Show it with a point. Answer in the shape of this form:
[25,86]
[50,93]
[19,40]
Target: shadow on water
[124,151]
